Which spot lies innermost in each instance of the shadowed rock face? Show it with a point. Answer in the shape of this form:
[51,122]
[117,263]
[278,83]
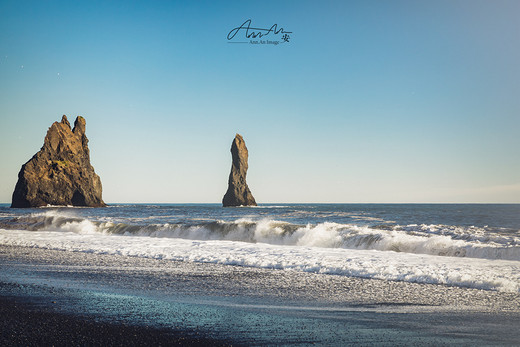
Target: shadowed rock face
[238,193]
[60,173]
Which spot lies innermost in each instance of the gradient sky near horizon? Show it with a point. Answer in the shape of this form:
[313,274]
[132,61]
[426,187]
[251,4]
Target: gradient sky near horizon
[369,101]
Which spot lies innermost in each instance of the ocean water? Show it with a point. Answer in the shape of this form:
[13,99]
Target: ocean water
[462,245]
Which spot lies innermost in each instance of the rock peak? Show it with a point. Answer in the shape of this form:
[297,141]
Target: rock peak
[238,193]
[79,125]
[65,121]
[60,173]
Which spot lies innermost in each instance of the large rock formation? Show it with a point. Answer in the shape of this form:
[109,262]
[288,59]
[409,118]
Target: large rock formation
[238,193]
[60,173]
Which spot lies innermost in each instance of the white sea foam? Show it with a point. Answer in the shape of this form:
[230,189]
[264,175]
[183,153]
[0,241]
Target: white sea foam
[440,254]
[438,240]
[501,275]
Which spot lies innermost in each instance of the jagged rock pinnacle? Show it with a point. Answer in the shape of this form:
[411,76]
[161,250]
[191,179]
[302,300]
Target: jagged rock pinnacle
[238,193]
[60,173]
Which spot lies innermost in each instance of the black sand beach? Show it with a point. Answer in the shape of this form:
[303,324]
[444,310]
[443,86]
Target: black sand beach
[28,324]
[68,298]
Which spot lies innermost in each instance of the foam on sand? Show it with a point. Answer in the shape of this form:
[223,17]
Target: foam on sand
[326,248]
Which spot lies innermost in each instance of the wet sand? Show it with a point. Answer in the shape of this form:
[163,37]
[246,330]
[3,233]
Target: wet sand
[23,323]
[108,299]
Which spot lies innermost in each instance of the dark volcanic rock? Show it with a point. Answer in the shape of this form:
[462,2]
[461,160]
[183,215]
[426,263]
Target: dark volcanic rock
[238,193]
[60,173]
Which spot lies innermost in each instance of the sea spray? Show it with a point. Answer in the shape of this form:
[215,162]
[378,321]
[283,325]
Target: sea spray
[439,240]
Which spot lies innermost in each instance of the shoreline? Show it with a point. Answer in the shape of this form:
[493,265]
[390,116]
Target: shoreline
[223,304]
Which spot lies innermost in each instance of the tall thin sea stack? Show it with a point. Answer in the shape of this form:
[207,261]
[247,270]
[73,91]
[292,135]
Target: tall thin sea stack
[60,173]
[238,193]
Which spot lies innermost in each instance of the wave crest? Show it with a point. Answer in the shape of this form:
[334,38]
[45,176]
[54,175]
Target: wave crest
[440,240]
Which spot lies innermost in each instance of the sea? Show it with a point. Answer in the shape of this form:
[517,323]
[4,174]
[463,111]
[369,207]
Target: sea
[460,245]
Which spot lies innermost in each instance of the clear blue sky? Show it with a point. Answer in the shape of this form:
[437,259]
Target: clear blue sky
[369,101]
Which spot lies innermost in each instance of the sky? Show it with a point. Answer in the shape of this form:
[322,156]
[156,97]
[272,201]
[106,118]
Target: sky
[368,101]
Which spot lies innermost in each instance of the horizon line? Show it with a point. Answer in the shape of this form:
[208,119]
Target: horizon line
[293,203]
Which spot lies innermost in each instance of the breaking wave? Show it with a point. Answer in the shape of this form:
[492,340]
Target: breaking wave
[438,240]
